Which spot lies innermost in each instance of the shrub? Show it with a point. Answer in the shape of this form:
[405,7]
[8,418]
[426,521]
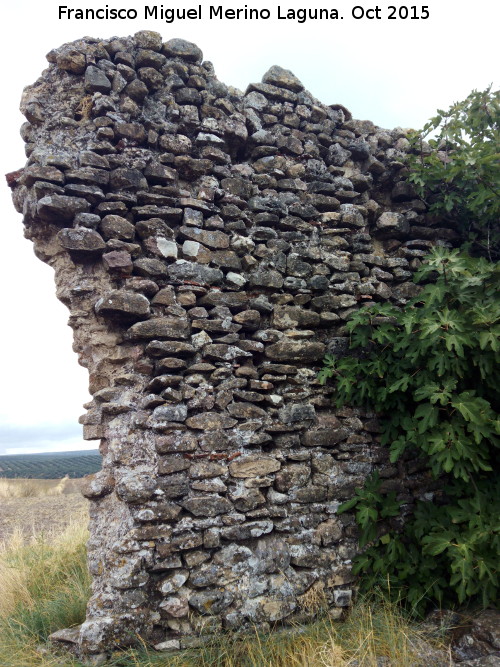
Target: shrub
[430,372]
[458,172]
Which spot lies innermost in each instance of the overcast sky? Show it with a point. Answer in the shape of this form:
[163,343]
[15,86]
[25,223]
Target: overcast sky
[393,72]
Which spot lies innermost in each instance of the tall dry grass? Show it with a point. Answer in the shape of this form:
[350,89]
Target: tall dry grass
[31,488]
[45,585]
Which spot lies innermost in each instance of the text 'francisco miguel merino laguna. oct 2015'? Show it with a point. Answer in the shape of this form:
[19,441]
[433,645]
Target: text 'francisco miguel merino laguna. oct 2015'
[246,13]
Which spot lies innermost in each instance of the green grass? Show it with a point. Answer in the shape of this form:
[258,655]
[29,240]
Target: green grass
[45,586]
[50,466]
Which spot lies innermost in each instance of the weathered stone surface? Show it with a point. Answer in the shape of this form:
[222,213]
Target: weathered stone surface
[210,421]
[60,209]
[288,350]
[212,239]
[253,466]
[291,317]
[187,271]
[176,441]
[96,81]
[266,278]
[84,241]
[116,227]
[325,437]
[170,413]
[160,327]
[122,304]
[277,76]
[393,222]
[180,48]
[207,505]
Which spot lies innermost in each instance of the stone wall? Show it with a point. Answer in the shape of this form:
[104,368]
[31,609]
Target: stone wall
[210,246]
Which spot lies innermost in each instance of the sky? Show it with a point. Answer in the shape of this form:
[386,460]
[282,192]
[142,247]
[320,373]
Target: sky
[395,72]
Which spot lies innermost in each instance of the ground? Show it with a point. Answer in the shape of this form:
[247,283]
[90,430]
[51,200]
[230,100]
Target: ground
[41,514]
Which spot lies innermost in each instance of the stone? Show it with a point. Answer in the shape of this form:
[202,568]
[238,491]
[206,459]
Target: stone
[253,466]
[266,278]
[180,48]
[297,413]
[325,437]
[246,411]
[207,505]
[96,81]
[291,317]
[125,178]
[60,209]
[176,441]
[393,222]
[211,421]
[224,352]
[172,464]
[169,413]
[292,475]
[188,271]
[277,76]
[68,635]
[288,350]
[123,305]
[160,328]
[211,239]
[81,241]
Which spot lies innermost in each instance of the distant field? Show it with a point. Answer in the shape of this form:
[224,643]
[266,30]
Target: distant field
[50,466]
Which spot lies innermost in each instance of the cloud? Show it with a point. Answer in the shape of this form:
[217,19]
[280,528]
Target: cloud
[17,438]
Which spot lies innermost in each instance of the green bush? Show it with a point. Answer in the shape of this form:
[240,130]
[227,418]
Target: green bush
[458,172]
[430,372]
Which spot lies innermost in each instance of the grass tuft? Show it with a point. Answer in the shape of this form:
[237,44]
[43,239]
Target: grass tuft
[45,586]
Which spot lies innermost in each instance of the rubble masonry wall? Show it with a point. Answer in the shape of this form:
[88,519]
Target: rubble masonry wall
[210,246]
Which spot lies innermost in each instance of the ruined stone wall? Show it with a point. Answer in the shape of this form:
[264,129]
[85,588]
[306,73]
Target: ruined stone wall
[210,246]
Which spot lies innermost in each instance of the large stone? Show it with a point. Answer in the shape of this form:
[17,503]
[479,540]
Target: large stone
[207,505]
[296,413]
[81,241]
[60,209]
[291,317]
[116,227]
[174,441]
[211,421]
[209,238]
[325,437]
[125,178]
[124,305]
[393,222]
[160,327]
[189,271]
[247,411]
[224,352]
[96,81]
[253,466]
[180,48]
[277,76]
[289,350]
[266,278]
[169,413]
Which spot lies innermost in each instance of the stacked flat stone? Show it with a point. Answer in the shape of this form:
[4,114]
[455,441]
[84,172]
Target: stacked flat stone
[210,246]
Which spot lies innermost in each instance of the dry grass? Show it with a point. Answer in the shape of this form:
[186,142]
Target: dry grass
[40,506]
[45,586]
[32,488]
